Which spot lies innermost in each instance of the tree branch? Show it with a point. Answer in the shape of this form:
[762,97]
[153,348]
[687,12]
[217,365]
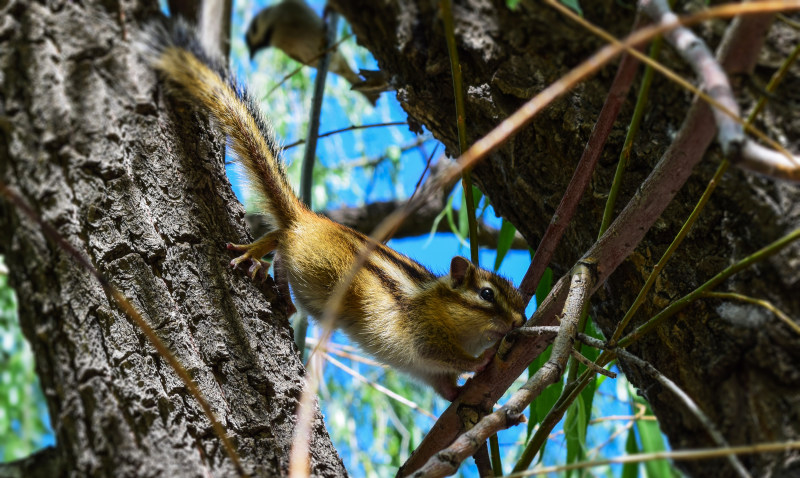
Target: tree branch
[741,150]
[608,252]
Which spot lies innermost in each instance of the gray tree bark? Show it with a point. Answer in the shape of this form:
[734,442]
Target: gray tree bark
[738,362]
[136,183]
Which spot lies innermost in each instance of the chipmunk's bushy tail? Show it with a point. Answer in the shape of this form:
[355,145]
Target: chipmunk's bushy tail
[200,78]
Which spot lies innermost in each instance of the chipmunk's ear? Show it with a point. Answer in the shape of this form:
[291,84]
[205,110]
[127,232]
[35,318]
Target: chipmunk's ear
[460,268]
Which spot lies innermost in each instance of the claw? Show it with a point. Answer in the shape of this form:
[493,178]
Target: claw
[255,267]
[235,262]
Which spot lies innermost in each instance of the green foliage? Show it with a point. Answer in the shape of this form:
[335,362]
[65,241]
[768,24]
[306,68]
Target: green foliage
[631,470]
[460,229]
[286,101]
[575,430]
[548,397]
[22,407]
[507,231]
[653,442]
[574,5]
[580,412]
[373,432]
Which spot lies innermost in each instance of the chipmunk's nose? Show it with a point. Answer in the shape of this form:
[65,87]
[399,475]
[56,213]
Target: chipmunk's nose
[519,320]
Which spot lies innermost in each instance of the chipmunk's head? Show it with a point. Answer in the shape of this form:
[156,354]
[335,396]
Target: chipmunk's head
[493,305]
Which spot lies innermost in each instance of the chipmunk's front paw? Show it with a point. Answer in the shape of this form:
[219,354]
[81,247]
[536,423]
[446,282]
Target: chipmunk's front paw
[447,388]
[486,358]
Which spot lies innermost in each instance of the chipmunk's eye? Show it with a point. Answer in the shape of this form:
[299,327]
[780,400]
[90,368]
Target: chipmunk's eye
[487,294]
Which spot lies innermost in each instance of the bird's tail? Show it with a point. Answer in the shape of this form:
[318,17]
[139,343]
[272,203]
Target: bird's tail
[195,76]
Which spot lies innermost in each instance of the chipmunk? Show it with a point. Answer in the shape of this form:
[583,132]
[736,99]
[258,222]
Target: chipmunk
[295,28]
[430,327]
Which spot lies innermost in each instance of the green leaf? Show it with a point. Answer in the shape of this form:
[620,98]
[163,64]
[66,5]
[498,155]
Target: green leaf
[437,220]
[463,219]
[477,195]
[652,442]
[575,431]
[545,401]
[545,284]
[631,470]
[591,353]
[21,398]
[504,241]
[455,229]
[574,5]
[393,153]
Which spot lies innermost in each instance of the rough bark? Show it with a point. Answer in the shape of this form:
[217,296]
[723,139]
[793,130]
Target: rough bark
[738,362]
[137,184]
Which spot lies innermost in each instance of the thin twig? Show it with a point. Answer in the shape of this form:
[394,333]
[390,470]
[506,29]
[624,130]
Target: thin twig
[690,405]
[789,21]
[349,128]
[695,52]
[684,231]
[365,161]
[760,302]
[698,454]
[416,187]
[349,352]
[742,151]
[776,79]
[612,437]
[734,144]
[701,203]
[591,365]
[621,238]
[446,9]
[630,135]
[569,394]
[678,305]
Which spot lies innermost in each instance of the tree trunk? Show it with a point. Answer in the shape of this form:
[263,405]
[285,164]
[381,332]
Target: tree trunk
[738,362]
[137,184]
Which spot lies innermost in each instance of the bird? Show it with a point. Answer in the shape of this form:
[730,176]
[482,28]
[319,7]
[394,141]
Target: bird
[294,27]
